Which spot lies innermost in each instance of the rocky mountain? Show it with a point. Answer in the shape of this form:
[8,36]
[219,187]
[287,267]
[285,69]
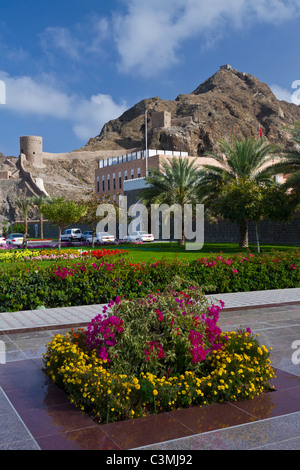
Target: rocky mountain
[230,103]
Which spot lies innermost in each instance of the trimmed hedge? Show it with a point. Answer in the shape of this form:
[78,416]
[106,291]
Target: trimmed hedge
[95,281]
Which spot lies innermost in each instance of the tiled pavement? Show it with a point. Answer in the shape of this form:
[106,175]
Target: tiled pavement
[35,414]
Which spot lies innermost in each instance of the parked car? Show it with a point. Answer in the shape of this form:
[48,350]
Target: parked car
[141,236]
[15,239]
[71,235]
[86,235]
[2,241]
[102,237]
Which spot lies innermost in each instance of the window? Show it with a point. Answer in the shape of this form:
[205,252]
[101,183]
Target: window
[114,180]
[139,173]
[103,183]
[98,184]
[125,177]
[108,182]
[120,180]
[132,174]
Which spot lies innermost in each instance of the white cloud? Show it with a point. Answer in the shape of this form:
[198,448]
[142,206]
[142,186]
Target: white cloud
[89,112]
[61,39]
[281,93]
[149,36]
[39,97]
[84,38]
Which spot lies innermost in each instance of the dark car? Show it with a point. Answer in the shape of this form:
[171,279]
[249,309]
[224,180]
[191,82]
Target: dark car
[86,235]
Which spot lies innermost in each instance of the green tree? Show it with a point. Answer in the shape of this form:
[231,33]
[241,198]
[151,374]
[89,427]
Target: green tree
[63,212]
[241,200]
[249,159]
[175,183]
[92,202]
[246,199]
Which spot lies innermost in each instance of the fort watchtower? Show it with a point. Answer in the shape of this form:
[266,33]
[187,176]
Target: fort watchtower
[32,147]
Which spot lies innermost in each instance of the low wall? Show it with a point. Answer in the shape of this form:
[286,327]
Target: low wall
[269,232]
[35,188]
[84,155]
[220,232]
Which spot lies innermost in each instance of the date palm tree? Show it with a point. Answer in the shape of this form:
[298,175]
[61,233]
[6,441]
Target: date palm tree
[176,182]
[248,159]
[24,205]
[38,201]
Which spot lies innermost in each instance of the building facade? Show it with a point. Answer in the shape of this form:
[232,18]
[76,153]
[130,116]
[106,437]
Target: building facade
[114,174]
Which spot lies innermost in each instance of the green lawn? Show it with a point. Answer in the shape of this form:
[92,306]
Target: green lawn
[170,250]
[155,251]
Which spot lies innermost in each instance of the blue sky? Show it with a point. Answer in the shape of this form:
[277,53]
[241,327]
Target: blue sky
[69,66]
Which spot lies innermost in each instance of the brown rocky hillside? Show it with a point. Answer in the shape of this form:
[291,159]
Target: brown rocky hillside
[230,103]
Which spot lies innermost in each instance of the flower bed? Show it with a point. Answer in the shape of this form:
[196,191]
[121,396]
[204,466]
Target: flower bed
[156,354]
[96,279]
[55,254]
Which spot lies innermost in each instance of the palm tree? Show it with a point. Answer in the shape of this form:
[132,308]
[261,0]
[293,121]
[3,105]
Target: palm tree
[24,204]
[37,202]
[249,159]
[175,183]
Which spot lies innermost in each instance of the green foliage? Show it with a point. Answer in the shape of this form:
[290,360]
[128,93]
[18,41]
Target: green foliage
[176,183]
[27,285]
[19,228]
[62,212]
[159,324]
[247,161]
[240,199]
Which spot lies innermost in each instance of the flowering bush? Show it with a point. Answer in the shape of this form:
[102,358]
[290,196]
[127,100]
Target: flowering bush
[165,332]
[106,274]
[159,354]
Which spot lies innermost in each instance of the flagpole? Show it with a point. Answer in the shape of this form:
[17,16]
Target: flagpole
[146,141]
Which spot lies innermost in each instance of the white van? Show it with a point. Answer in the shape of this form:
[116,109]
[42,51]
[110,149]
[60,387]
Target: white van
[71,235]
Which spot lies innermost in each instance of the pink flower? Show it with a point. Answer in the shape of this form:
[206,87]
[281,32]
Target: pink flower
[234,271]
[159,314]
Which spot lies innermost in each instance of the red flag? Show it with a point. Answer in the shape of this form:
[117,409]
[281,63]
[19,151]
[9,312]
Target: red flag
[260,132]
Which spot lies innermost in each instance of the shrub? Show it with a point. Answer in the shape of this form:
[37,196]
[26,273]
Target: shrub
[96,278]
[164,333]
